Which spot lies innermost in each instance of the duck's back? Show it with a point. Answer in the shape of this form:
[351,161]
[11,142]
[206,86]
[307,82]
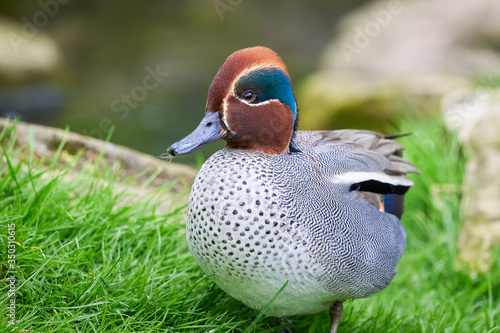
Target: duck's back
[256,221]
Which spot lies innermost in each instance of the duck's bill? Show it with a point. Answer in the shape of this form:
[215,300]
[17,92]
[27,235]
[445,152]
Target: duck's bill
[208,131]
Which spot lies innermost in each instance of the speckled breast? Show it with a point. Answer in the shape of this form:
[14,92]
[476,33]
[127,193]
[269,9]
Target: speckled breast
[240,233]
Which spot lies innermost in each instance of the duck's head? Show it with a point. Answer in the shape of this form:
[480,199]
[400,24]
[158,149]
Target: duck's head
[250,105]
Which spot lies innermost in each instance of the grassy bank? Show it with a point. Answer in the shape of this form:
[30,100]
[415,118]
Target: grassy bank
[91,258]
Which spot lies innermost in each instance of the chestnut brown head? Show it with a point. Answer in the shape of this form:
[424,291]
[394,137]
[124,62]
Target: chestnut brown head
[250,105]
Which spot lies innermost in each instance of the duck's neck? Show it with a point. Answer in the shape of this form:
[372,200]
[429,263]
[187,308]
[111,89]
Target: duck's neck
[293,147]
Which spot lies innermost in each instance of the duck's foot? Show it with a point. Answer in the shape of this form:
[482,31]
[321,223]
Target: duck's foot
[335,314]
[283,321]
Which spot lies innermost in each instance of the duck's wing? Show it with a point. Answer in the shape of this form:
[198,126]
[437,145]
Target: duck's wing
[369,162]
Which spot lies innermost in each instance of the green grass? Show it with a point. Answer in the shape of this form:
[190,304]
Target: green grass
[92,258]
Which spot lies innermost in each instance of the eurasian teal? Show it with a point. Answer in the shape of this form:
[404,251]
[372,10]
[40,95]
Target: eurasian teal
[319,209]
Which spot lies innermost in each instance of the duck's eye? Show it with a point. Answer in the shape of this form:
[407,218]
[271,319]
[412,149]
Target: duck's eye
[250,96]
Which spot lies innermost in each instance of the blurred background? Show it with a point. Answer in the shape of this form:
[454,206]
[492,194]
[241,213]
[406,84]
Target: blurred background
[145,67]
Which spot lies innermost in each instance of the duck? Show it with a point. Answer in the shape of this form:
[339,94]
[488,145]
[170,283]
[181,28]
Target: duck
[295,221]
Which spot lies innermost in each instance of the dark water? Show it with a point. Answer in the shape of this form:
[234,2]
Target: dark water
[143,68]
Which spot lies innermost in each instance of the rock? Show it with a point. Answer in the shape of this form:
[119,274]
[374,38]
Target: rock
[132,165]
[476,117]
[393,56]
[27,55]
[30,66]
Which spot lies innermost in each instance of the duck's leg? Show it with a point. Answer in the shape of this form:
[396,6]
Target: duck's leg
[335,313]
[283,321]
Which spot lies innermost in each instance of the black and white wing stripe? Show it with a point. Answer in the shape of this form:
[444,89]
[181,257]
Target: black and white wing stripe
[375,169]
